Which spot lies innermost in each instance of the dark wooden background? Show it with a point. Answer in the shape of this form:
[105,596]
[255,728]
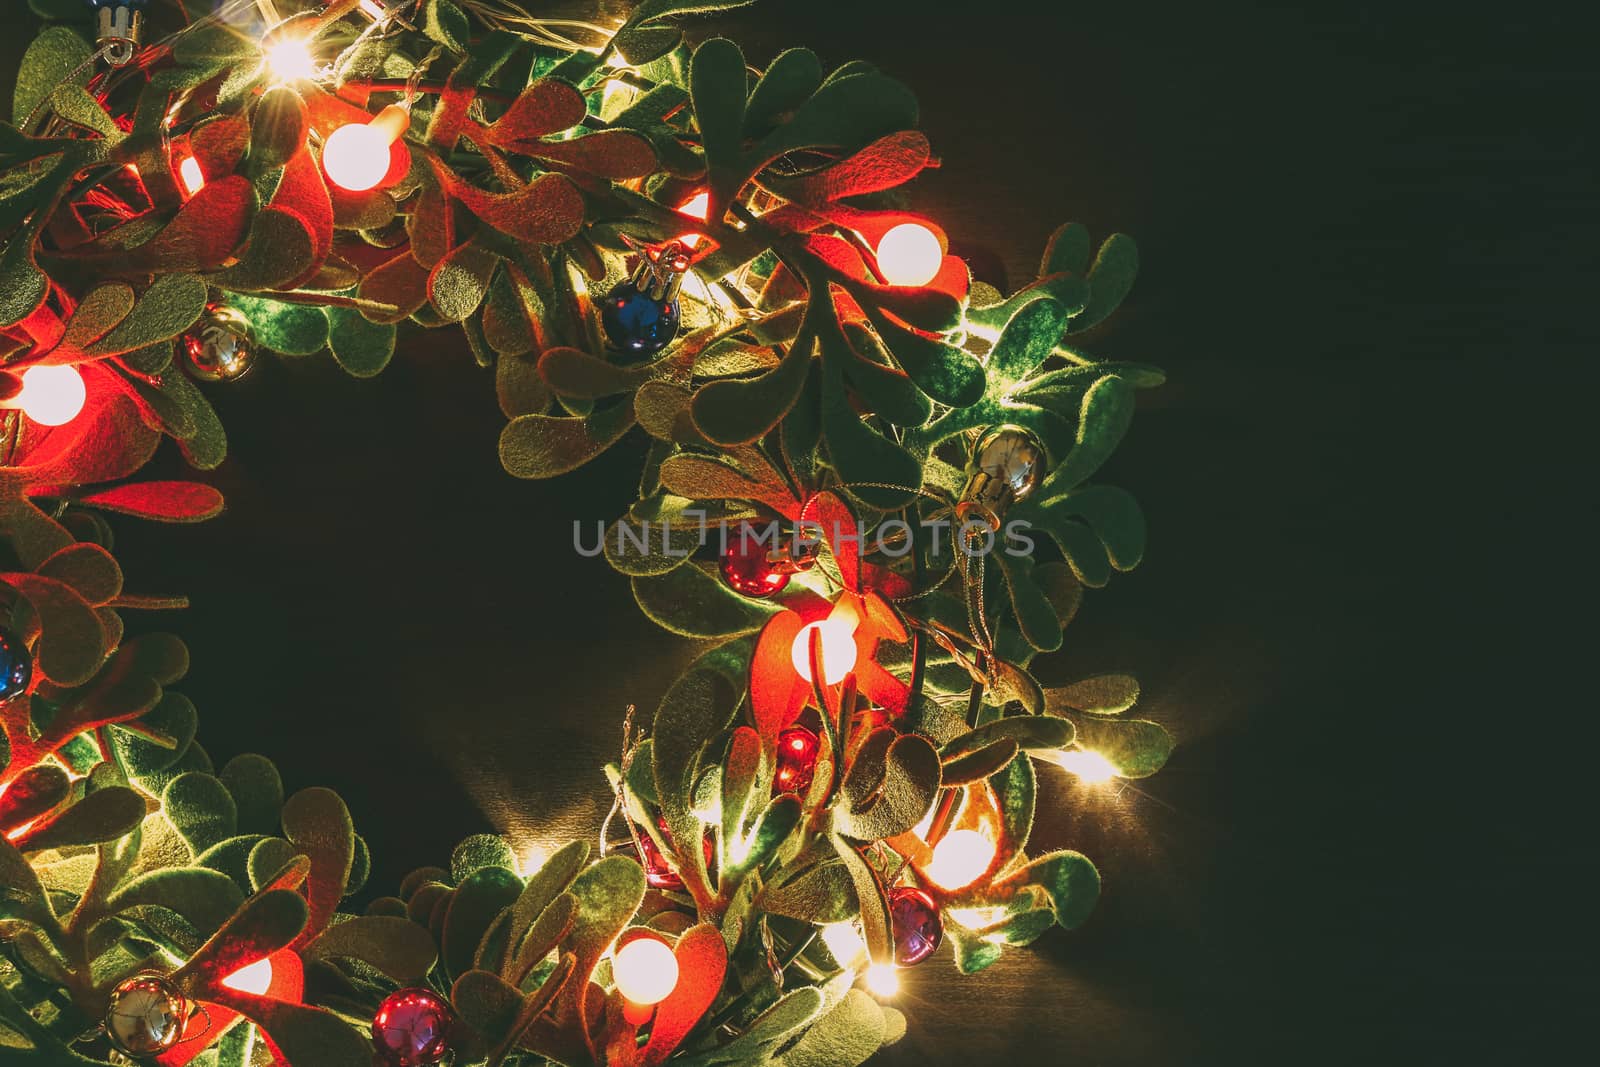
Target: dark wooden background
[1366,237]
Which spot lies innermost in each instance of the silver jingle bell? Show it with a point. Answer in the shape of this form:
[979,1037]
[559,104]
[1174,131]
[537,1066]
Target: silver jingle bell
[146,1016]
[1006,465]
[221,346]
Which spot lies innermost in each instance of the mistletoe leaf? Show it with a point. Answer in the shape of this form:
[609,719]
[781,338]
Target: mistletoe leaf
[1070,881]
[473,908]
[1103,419]
[170,306]
[71,641]
[317,823]
[788,82]
[1067,251]
[361,347]
[103,815]
[204,897]
[691,603]
[1137,748]
[1110,280]
[292,329]
[547,106]
[1102,694]
[702,962]
[265,923]
[543,446]
[845,1036]
[53,55]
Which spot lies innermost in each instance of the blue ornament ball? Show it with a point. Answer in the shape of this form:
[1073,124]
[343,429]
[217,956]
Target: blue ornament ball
[16,664]
[637,324]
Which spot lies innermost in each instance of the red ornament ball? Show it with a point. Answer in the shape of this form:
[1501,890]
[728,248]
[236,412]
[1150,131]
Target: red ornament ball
[916,925]
[748,568]
[412,1028]
[658,873]
[797,760]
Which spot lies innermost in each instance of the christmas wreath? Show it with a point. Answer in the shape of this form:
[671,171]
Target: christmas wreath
[869,485]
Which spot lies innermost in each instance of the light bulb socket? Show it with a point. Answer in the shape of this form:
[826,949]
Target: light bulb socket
[661,270]
[120,30]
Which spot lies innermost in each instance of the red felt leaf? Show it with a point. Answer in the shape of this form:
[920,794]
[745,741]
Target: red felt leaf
[106,442]
[702,964]
[547,106]
[402,282]
[327,112]
[885,163]
[840,528]
[548,210]
[615,154]
[839,254]
[202,236]
[219,144]
[302,193]
[777,692]
[161,501]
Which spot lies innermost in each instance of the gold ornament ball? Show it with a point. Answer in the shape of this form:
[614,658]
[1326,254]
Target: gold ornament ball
[1006,465]
[146,1016]
[221,346]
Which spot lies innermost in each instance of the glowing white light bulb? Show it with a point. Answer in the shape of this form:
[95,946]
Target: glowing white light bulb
[883,979]
[255,978]
[959,858]
[290,60]
[839,648]
[1089,766]
[844,941]
[50,395]
[194,179]
[909,254]
[645,970]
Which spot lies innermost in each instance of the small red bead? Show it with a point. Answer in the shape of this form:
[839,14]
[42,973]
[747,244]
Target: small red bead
[412,1028]
[747,568]
[916,923]
[797,760]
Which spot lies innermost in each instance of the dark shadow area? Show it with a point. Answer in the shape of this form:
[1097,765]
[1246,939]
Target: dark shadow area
[1365,236]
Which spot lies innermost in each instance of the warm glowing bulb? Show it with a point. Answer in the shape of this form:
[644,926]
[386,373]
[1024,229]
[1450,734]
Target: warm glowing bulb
[843,941]
[883,979]
[290,60]
[959,858]
[697,206]
[356,157]
[646,971]
[194,179]
[1089,766]
[256,978]
[838,650]
[533,857]
[51,395]
[909,254]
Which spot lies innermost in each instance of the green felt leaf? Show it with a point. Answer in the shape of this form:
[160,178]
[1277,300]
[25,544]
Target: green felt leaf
[97,313]
[1103,419]
[54,54]
[788,82]
[1067,251]
[23,285]
[738,412]
[540,938]
[293,329]
[1137,748]
[88,568]
[1027,339]
[973,767]
[544,885]
[204,897]
[845,1036]
[608,894]
[170,306]
[1070,880]
[1102,694]
[873,468]
[278,128]
[822,893]
[946,373]
[104,815]
[1114,516]
[543,446]
[1035,613]
[972,953]
[281,248]
[317,823]
[741,777]
[479,851]
[478,900]
[752,851]
[362,348]
[692,603]
[690,714]
[717,85]
[446,24]
[1110,279]
[460,280]
[257,792]
[1033,733]
[267,860]
[770,1029]
[898,800]
[25,896]
[201,809]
